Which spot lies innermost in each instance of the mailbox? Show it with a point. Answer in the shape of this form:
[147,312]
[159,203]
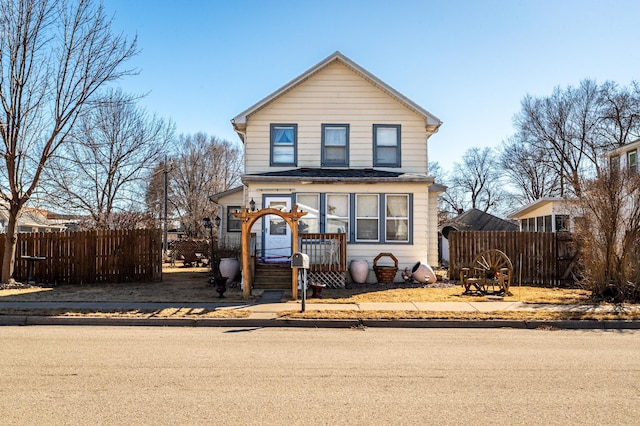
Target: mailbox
[300,260]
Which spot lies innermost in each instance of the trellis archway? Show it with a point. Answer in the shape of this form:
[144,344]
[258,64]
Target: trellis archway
[248,218]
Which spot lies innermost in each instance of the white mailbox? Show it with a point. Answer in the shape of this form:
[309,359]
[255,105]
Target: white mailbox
[300,260]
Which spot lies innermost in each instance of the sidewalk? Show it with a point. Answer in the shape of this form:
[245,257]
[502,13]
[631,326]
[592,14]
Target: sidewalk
[267,314]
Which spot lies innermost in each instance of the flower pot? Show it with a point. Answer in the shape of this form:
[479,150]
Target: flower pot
[359,270]
[229,267]
[423,273]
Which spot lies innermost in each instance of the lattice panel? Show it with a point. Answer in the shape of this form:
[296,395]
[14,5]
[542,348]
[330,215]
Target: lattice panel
[329,279]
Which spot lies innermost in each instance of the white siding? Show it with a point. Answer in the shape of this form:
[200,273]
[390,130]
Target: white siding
[424,247]
[336,95]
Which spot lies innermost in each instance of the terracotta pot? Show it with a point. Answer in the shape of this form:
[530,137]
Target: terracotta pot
[423,273]
[229,267]
[359,270]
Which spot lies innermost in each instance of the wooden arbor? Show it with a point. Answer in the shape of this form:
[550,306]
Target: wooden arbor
[247,219]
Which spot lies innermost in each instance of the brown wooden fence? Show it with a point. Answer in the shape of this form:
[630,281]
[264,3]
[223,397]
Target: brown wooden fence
[90,257]
[540,258]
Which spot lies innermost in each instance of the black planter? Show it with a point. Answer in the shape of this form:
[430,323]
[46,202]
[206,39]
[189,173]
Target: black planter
[221,285]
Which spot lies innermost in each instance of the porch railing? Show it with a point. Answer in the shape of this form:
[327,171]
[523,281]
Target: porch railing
[327,252]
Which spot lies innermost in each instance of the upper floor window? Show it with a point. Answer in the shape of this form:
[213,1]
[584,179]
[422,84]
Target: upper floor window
[632,161]
[386,145]
[614,163]
[284,143]
[335,144]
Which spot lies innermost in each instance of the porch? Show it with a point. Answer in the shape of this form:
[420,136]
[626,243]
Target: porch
[327,262]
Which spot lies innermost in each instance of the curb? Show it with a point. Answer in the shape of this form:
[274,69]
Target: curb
[31,320]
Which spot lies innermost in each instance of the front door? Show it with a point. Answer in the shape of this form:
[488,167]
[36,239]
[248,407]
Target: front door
[277,235]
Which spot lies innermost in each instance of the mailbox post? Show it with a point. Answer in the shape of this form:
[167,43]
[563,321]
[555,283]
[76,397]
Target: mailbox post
[301,261]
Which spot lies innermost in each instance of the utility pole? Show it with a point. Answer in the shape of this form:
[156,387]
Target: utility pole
[165,171]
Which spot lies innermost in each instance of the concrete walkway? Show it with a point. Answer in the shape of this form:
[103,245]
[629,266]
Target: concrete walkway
[267,314]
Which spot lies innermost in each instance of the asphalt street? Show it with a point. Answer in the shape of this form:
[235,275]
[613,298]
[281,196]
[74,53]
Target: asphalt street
[272,376]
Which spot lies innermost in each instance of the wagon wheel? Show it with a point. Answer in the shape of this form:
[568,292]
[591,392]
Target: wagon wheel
[489,263]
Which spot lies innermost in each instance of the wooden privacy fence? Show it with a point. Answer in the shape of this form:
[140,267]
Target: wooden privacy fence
[90,256]
[540,258]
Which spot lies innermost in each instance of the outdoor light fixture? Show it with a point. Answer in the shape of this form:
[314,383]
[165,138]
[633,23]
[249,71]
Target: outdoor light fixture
[252,205]
[206,222]
[218,220]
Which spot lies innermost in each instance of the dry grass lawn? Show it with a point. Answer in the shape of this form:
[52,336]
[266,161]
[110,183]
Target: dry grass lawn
[178,284]
[191,285]
[525,294]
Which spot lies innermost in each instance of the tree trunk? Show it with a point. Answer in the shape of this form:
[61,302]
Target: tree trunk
[9,258]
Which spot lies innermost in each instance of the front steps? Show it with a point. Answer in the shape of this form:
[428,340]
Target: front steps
[272,276]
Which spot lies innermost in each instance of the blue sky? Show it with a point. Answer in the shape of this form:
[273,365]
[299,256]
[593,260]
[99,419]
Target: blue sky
[467,62]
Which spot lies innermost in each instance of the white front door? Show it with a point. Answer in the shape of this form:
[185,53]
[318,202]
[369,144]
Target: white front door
[277,235]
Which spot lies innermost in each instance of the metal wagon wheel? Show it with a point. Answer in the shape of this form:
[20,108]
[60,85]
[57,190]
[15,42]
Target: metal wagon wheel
[488,263]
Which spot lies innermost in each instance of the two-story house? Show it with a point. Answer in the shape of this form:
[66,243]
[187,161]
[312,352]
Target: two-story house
[350,151]
[624,157]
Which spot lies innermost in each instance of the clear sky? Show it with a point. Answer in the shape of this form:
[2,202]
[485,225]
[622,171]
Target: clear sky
[467,62]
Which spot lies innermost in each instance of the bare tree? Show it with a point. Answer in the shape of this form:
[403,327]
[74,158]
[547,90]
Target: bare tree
[608,234]
[476,182]
[54,56]
[204,166]
[110,153]
[526,166]
[576,125]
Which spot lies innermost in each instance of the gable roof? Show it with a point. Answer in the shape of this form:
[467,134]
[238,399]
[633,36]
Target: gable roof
[540,202]
[216,197]
[432,123]
[477,220]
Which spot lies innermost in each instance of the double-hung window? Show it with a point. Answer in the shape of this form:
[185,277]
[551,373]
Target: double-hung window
[397,218]
[386,145]
[367,217]
[284,143]
[335,144]
[337,213]
[632,161]
[310,203]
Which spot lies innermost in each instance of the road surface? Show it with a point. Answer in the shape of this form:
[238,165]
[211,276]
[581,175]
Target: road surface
[140,375]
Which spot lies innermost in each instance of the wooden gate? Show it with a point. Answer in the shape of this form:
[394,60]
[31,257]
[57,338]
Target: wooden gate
[539,258]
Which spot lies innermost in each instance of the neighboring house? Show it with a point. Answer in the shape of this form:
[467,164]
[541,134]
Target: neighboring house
[230,201]
[349,150]
[472,220]
[548,214]
[624,157]
[37,220]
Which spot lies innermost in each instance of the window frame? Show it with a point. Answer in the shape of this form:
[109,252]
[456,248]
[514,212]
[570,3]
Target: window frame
[397,162]
[387,218]
[231,219]
[272,129]
[324,203]
[323,159]
[308,216]
[357,218]
[632,167]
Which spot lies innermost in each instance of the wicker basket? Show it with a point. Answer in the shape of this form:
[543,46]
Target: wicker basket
[385,274]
